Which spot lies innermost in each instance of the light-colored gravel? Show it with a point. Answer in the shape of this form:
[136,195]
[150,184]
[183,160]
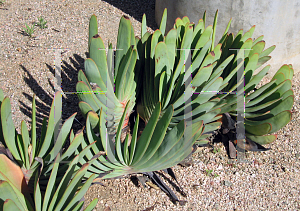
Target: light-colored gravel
[267,181]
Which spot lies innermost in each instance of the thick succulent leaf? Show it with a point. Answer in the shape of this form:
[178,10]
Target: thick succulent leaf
[37,191]
[144,26]
[185,20]
[282,105]
[256,79]
[51,184]
[285,70]
[226,50]
[158,136]
[53,123]
[124,79]
[91,135]
[13,175]
[214,31]
[163,22]
[33,130]
[217,51]
[199,55]
[250,68]
[197,109]
[207,118]
[176,153]
[263,96]
[261,106]
[186,43]
[262,60]
[277,122]
[252,115]
[118,137]
[8,128]
[85,108]
[93,75]
[209,90]
[267,51]
[232,74]
[219,69]
[259,130]
[162,87]
[260,38]
[98,55]
[178,88]
[26,142]
[61,139]
[82,77]
[110,64]
[262,140]
[104,99]
[125,149]
[171,87]
[22,149]
[202,75]
[168,143]
[123,41]
[134,140]
[178,22]
[10,205]
[259,91]
[156,38]
[88,96]
[237,40]
[93,28]
[170,41]
[248,34]
[161,63]
[79,206]
[257,47]
[199,79]
[204,18]
[225,32]
[92,205]
[202,142]
[211,127]
[81,192]
[145,138]
[198,30]
[204,37]
[290,77]
[68,185]
[107,143]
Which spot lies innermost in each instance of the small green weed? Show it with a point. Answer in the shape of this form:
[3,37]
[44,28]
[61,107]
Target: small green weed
[216,150]
[231,165]
[208,172]
[29,30]
[2,2]
[42,23]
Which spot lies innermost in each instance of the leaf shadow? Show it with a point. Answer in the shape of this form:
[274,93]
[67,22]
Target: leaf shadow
[136,9]
[69,72]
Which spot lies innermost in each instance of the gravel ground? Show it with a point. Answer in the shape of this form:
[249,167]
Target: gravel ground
[266,181]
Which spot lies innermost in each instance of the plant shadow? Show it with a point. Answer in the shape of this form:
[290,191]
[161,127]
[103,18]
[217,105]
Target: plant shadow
[136,9]
[69,72]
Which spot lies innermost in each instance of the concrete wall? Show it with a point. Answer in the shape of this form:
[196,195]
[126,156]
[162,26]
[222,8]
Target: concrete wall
[277,20]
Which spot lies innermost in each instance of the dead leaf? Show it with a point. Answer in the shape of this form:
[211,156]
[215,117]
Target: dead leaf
[152,185]
[232,150]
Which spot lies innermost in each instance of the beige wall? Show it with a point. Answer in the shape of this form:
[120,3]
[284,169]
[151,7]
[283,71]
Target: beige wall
[277,20]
